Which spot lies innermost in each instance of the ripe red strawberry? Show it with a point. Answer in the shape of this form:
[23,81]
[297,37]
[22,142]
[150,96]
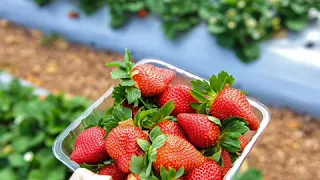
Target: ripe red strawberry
[89,147]
[122,144]
[223,101]
[113,171]
[172,128]
[152,80]
[176,153]
[209,170]
[232,102]
[143,13]
[201,131]
[244,141]
[227,162]
[181,97]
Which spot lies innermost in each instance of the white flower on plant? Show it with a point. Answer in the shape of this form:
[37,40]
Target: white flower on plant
[28,156]
[251,23]
[241,4]
[231,25]
[256,35]
[18,120]
[212,20]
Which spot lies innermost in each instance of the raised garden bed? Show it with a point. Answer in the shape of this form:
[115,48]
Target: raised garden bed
[283,76]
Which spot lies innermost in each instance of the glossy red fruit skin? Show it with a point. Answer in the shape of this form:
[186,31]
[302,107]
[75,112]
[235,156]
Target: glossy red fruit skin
[227,162]
[209,170]
[89,147]
[122,144]
[152,80]
[200,131]
[177,153]
[172,128]
[181,97]
[244,141]
[232,102]
[113,171]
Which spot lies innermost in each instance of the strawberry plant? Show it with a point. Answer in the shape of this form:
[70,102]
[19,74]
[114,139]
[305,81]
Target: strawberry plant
[294,13]
[120,11]
[239,25]
[178,16]
[28,126]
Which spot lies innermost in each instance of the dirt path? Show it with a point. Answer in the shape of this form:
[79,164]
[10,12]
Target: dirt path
[289,149]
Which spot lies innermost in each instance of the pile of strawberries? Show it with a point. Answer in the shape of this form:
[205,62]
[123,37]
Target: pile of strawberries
[157,130]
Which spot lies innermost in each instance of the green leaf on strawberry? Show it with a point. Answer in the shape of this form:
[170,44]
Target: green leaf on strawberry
[171,174]
[232,129]
[155,132]
[217,155]
[113,116]
[149,118]
[206,91]
[127,89]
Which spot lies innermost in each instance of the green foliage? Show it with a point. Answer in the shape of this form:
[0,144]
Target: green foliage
[240,25]
[294,13]
[251,173]
[120,11]
[43,2]
[91,6]
[178,16]
[28,127]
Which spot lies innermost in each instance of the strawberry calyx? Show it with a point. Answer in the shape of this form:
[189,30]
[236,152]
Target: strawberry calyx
[171,174]
[96,167]
[142,165]
[206,91]
[113,117]
[149,118]
[231,130]
[127,89]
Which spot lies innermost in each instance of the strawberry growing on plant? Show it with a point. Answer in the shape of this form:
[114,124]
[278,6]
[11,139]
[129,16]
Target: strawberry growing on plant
[219,99]
[89,147]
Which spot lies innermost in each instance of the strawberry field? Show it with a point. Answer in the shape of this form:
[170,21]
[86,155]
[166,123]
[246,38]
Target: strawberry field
[30,123]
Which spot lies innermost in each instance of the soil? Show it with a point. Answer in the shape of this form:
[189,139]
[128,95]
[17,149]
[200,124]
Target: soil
[289,148]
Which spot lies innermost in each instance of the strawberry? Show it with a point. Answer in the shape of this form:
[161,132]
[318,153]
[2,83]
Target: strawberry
[244,141]
[181,97]
[152,80]
[113,171]
[142,13]
[177,153]
[227,162]
[201,131]
[232,102]
[143,80]
[121,144]
[209,170]
[222,100]
[89,147]
[132,176]
[172,128]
